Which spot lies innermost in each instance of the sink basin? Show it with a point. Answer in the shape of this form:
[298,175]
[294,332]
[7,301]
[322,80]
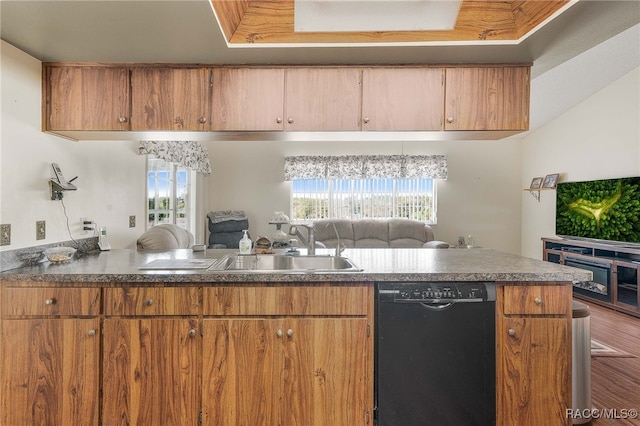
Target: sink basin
[282,263]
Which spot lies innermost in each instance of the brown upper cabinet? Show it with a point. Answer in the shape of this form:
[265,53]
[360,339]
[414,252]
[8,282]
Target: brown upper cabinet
[396,99]
[487,98]
[248,99]
[346,98]
[87,98]
[322,99]
[170,98]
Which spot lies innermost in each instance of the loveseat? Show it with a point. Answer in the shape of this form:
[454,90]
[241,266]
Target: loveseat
[376,233]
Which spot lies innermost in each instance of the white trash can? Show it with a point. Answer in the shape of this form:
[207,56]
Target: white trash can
[581,361]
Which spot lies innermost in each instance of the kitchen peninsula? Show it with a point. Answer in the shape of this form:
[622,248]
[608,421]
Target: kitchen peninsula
[98,340]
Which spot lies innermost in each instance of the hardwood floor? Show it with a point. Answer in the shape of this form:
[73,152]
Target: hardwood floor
[615,382]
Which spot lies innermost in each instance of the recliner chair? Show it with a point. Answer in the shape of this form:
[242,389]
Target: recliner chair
[165,237]
[225,227]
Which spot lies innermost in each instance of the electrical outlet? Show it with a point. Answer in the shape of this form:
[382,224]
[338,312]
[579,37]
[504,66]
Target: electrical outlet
[41,230]
[132,221]
[5,234]
[87,225]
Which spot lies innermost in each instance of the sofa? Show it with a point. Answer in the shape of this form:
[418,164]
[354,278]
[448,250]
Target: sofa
[376,233]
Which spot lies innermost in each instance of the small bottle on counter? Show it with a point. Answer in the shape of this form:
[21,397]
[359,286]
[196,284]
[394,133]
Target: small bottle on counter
[245,243]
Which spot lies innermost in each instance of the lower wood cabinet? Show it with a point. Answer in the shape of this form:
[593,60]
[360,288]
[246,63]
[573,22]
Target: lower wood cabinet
[151,371]
[288,371]
[50,371]
[288,355]
[245,354]
[49,356]
[533,338]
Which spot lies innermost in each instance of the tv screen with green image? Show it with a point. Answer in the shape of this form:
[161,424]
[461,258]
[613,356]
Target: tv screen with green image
[605,209]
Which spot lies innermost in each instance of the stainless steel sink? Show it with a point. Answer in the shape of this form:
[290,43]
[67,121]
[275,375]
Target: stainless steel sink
[282,263]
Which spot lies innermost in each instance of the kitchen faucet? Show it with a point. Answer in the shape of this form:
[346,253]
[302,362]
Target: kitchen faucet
[339,248]
[310,241]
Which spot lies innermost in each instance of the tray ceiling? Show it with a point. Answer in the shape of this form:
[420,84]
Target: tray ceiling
[272,21]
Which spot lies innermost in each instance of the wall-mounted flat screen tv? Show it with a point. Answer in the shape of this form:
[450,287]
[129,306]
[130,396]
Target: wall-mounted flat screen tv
[605,209]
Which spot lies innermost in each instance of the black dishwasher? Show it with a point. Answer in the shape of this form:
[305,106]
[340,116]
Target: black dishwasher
[435,354]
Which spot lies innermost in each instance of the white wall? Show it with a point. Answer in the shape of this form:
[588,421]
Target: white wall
[111,177]
[482,195]
[598,138]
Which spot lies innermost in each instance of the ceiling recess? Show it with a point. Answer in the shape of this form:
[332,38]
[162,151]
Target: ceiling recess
[255,22]
[374,15]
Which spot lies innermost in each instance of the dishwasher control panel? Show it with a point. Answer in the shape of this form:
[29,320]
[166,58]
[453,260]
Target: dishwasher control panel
[437,292]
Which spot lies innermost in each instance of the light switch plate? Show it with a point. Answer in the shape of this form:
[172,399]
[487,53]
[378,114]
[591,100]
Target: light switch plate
[5,234]
[41,230]
[132,221]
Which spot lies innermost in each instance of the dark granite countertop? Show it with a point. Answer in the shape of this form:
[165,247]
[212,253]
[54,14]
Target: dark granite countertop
[120,266]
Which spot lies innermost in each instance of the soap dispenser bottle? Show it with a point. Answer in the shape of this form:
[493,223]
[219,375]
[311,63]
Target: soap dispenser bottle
[245,243]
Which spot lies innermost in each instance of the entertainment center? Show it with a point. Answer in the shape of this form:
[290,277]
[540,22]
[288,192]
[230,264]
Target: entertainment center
[614,267]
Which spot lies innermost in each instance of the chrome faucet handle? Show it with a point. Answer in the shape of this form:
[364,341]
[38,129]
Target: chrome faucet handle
[310,241]
[339,246]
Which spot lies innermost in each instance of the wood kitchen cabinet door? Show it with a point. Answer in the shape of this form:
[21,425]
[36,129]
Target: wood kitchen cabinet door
[487,98]
[533,371]
[151,372]
[397,99]
[170,98]
[322,99]
[285,371]
[87,98]
[248,99]
[50,372]
[533,347]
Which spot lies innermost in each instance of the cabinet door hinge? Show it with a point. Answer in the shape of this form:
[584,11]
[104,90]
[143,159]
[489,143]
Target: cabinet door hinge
[200,417]
[201,328]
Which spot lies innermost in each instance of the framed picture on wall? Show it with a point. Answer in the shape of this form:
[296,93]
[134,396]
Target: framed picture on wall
[550,181]
[536,183]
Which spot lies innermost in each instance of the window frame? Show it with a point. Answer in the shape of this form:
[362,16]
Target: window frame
[173,169]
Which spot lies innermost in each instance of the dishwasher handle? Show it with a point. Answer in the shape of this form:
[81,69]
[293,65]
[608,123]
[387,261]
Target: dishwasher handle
[437,307]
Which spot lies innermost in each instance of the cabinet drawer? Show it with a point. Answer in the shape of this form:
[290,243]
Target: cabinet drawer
[317,300]
[537,300]
[151,301]
[17,302]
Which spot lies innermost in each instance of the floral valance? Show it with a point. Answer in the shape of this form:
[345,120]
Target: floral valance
[365,167]
[188,154]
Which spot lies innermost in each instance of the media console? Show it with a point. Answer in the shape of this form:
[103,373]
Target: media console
[615,271]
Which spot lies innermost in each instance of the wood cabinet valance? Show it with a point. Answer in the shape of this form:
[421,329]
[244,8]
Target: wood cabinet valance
[480,98]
